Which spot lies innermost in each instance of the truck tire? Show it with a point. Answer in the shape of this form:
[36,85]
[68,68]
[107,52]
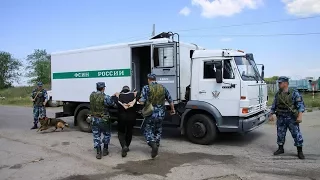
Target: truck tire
[81,120]
[201,129]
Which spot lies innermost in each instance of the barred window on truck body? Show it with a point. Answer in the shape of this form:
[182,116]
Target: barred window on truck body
[163,57]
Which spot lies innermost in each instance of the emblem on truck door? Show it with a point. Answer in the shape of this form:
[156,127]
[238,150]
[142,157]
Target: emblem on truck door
[215,94]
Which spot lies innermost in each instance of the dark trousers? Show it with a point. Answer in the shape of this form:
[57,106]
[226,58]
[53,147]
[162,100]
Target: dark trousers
[126,122]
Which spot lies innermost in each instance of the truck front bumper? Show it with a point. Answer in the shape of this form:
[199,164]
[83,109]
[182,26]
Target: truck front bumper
[249,124]
[246,124]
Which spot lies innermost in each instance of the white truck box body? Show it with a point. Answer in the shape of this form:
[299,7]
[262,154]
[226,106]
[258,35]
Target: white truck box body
[76,72]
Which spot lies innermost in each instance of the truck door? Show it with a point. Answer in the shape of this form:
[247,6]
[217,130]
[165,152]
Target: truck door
[224,96]
[165,66]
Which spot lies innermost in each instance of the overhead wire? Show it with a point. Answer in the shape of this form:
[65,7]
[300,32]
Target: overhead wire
[249,24]
[233,25]
[257,35]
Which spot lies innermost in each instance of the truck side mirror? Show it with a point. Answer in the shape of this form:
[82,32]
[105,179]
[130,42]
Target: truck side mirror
[218,66]
[262,72]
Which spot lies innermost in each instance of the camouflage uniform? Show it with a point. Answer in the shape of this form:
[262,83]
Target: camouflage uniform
[156,94]
[100,121]
[286,106]
[39,110]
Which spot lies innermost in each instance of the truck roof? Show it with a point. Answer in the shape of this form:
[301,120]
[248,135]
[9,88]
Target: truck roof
[127,44]
[217,53]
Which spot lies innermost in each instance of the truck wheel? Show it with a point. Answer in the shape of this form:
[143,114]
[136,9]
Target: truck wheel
[82,122]
[201,129]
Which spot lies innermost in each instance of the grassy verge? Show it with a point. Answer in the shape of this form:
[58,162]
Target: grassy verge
[309,102]
[18,96]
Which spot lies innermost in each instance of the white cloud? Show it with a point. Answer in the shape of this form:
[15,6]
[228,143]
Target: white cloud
[302,8]
[226,39]
[185,11]
[215,8]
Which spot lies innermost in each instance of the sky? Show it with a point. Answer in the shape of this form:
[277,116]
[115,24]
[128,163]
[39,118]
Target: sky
[64,25]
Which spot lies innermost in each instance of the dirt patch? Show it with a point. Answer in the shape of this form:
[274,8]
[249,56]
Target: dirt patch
[16,166]
[166,161]
[65,143]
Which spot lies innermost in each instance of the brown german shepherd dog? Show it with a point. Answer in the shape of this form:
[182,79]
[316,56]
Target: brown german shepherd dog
[46,123]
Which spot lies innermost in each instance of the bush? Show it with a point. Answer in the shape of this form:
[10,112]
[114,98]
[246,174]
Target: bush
[18,95]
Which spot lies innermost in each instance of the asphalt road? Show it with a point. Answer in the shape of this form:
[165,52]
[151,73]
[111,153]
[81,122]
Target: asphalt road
[26,154]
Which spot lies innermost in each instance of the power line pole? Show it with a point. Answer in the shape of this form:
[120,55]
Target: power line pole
[153,30]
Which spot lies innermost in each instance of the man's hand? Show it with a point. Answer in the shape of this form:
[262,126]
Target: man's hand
[44,103]
[116,94]
[299,118]
[271,117]
[32,99]
[173,111]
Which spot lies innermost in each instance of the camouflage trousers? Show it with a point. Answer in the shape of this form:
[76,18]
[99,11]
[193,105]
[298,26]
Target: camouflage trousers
[287,122]
[153,129]
[38,112]
[100,126]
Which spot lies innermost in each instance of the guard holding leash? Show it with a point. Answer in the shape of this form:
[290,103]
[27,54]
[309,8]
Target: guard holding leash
[99,120]
[39,97]
[288,106]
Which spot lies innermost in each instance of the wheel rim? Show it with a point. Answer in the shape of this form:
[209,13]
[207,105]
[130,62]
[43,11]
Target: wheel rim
[198,130]
[84,120]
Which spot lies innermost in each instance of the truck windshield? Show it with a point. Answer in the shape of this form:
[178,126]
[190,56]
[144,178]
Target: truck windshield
[248,70]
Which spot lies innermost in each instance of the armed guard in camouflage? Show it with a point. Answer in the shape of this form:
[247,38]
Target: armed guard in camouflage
[288,106]
[39,98]
[155,94]
[100,118]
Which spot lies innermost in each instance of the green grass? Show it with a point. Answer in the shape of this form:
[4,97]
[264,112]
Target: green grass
[18,96]
[307,97]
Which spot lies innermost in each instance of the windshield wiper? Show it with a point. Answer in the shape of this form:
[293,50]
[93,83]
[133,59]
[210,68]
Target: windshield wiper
[251,76]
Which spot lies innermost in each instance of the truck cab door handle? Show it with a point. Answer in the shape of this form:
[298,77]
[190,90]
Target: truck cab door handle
[202,91]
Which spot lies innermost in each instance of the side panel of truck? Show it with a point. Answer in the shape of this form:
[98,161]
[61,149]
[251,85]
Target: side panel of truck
[75,74]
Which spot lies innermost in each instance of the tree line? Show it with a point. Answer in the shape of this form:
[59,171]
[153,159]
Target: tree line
[38,68]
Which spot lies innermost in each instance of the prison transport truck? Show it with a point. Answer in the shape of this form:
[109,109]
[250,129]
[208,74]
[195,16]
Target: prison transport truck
[213,90]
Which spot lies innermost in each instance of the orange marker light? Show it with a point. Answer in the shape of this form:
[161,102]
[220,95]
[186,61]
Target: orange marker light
[245,110]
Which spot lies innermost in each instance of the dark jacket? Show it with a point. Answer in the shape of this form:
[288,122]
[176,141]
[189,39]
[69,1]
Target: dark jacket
[130,113]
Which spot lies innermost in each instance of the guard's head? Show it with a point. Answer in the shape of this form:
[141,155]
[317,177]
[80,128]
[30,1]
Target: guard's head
[125,89]
[151,77]
[283,82]
[39,84]
[101,86]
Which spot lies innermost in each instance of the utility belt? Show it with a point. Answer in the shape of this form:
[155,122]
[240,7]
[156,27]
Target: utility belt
[104,117]
[286,114]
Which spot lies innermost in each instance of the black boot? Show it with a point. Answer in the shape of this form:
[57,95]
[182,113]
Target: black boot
[123,144]
[35,126]
[105,150]
[279,151]
[98,156]
[154,151]
[300,153]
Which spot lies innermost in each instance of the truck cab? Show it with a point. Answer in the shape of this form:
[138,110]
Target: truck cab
[227,94]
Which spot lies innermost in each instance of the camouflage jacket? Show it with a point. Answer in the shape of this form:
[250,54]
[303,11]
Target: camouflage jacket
[288,103]
[39,96]
[98,101]
[156,94]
